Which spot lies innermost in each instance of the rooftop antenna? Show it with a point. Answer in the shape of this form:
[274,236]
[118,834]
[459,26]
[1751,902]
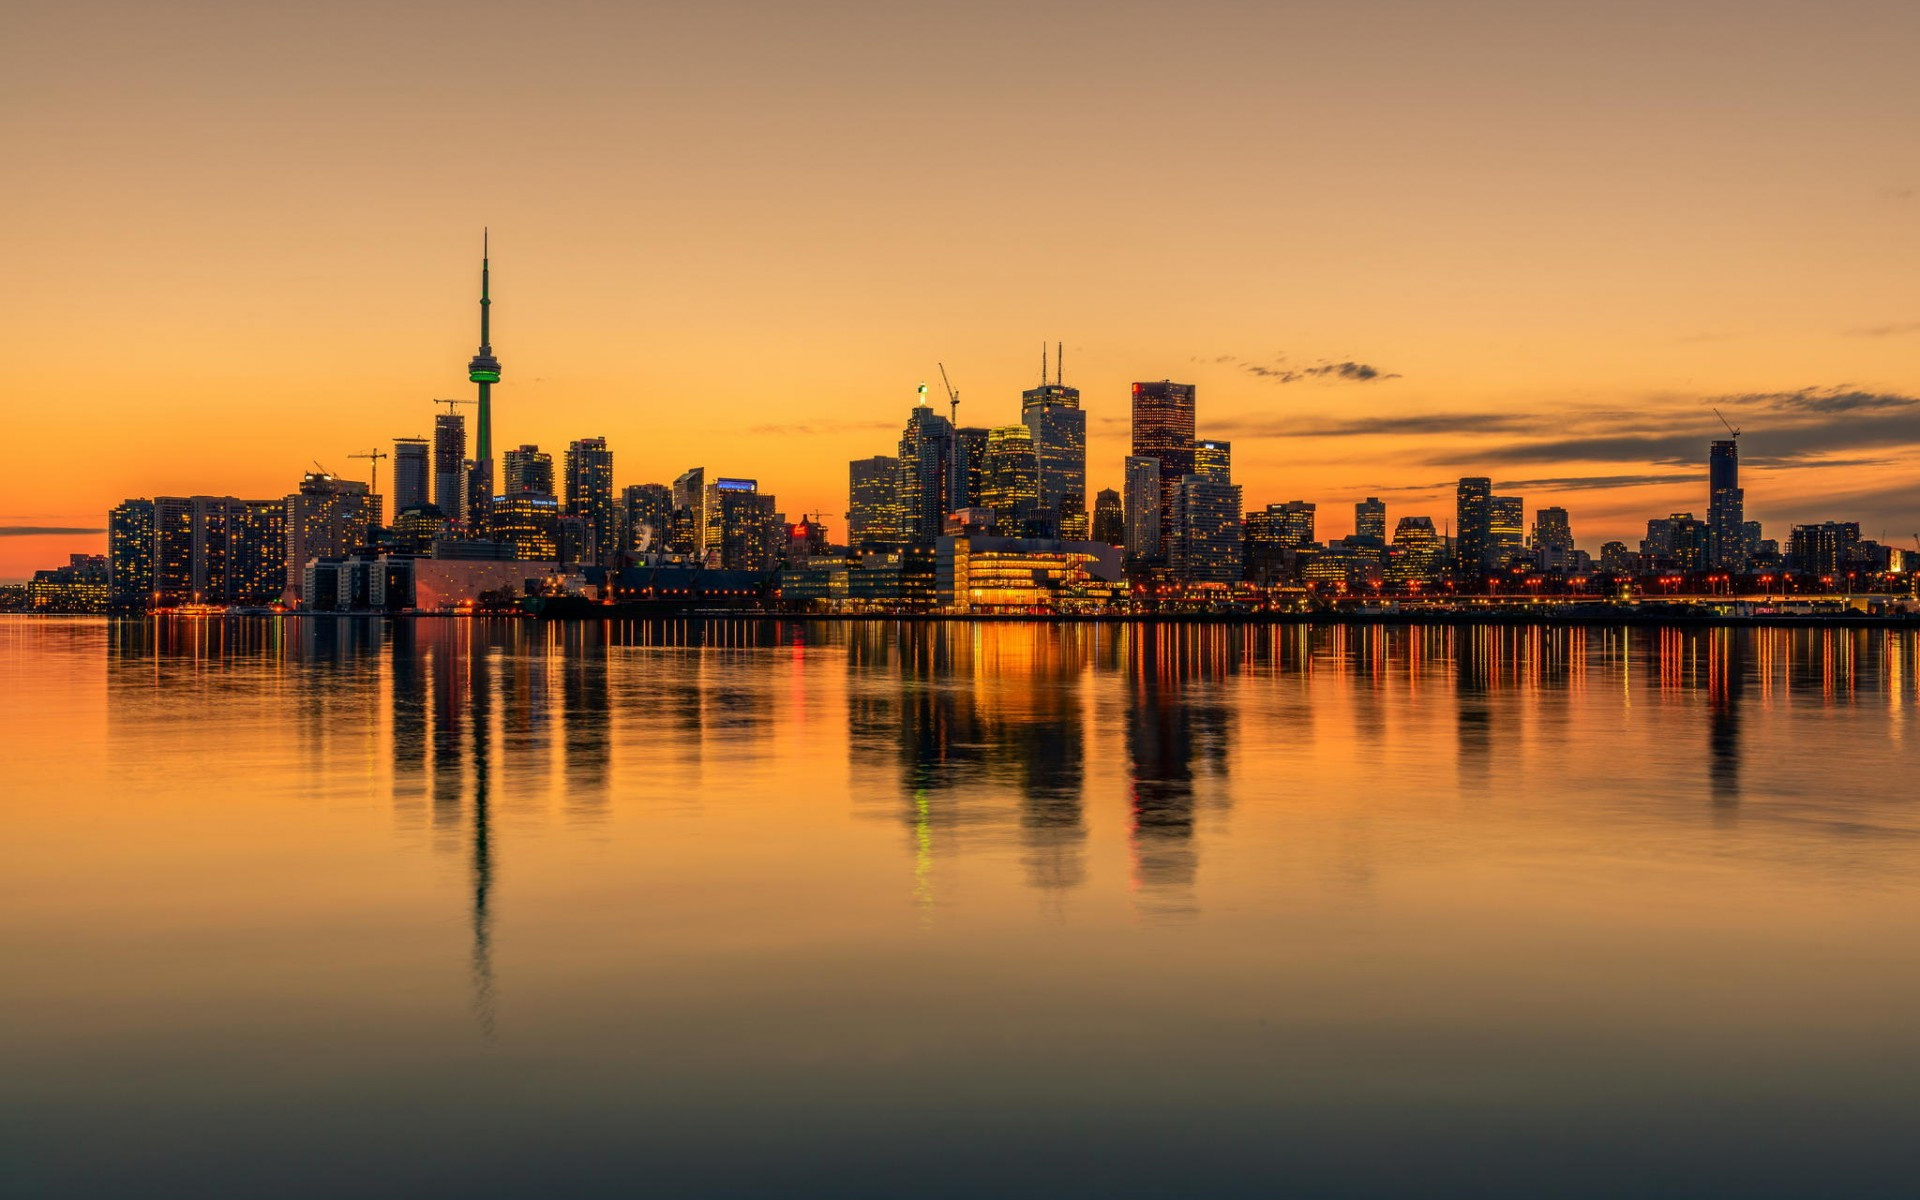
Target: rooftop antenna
[1059,357]
[1728,424]
[1043,364]
[953,396]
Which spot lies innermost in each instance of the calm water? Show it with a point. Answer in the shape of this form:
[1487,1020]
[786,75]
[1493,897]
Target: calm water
[475,909]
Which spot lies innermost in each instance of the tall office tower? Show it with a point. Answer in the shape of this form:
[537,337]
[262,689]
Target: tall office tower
[1370,521]
[874,514]
[411,474]
[450,466]
[742,530]
[1296,520]
[970,443]
[589,481]
[1506,528]
[1473,525]
[1109,518]
[1204,545]
[484,371]
[1265,554]
[527,469]
[1418,554]
[690,511]
[1052,412]
[645,512]
[1163,430]
[530,523]
[1726,507]
[326,518]
[1143,509]
[1012,487]
[932,473]
[1553,540]
[130,555]
[1213,459]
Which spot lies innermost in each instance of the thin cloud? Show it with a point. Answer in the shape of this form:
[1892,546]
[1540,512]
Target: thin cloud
[820,427]
[1325,370]
[45,531]
[1464,423]
[1880,331]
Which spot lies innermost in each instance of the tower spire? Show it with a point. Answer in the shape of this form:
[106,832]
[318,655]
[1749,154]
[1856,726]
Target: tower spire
[484,371]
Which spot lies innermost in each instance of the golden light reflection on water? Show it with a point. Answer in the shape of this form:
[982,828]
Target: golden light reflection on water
[932,856]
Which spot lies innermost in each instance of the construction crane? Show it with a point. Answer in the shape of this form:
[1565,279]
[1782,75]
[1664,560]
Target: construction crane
[1728,424]
[451,403]
[953,396]
[376,456]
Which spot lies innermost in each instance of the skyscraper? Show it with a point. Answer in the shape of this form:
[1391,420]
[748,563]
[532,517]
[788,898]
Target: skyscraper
[326,518]
[1473,525]
[484,370]
[1109,518]
[1296,522]
[742,531]
[1012,481]
[1370,521]
[874,514]
[932,473]
[130,554]
[411,474]
[1163,415]
[527,469]
[689,534]
[1553,539]
[450,466]
[1213,459]
[1506,528]
[589,484]
[1726,507]
[1419,553]
[1205,541]
[1143,509]
[1052,412]
[970,443]
[645,512]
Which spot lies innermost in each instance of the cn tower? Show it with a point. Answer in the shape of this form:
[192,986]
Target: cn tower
[485,371]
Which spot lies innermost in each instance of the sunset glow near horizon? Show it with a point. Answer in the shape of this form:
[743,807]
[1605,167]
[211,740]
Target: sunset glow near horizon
[1391,245]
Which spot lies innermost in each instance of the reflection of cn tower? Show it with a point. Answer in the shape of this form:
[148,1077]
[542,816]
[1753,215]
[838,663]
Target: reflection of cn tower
[484,370]
[462,734]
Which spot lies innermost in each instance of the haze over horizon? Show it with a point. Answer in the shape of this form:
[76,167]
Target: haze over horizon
[1390,245]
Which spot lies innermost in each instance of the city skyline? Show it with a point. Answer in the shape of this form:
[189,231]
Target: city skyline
[1488,286]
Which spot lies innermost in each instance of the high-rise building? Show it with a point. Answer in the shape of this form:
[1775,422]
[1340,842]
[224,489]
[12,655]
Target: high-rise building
[217,550]
[130,555]
[1143,509]
[450,466]
[484,371]
[1052,412]
[646,510]
[1370,521]
[1163,416]
[1213,459]
[690,512]
[1418,554]
[1506,528]
[970,443]
[1109,518]
[589,484]
[874,514]
[1297,520]
[1553,540]
[1012,487]
[527,469]
[1204,545]
[529,522]
[743,531]
[1828,549]
[326,518]
[1473,525]
[932,473]
[1726,507]
[1677,542]
[412,474]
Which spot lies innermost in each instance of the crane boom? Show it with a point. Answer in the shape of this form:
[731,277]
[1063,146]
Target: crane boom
[953,396]
[1728,424]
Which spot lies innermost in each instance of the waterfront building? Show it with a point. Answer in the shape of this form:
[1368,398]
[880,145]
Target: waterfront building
[1370,521]
[130,555]
[1418,554]
[589,494]
[975,574]
[1109,518]
[1012,485]
[450,466]
[1726,507]
[527,469]
[874,514]
[1059,426]
[1142,504]
[1205,541]
[84,585]
[1473,525]
[1163,420]
[742,530]
[326,518]
[1828,549]
[646,509]
[529,522]
[932,473]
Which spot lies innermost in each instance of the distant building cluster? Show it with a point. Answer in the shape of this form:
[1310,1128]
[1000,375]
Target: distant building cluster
[964,519]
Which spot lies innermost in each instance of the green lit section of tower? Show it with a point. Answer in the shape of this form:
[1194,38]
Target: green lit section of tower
[484,370]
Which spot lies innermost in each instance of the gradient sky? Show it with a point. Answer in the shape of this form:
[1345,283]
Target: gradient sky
[241,238]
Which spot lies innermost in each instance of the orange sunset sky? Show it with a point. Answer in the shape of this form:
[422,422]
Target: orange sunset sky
[245,237]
